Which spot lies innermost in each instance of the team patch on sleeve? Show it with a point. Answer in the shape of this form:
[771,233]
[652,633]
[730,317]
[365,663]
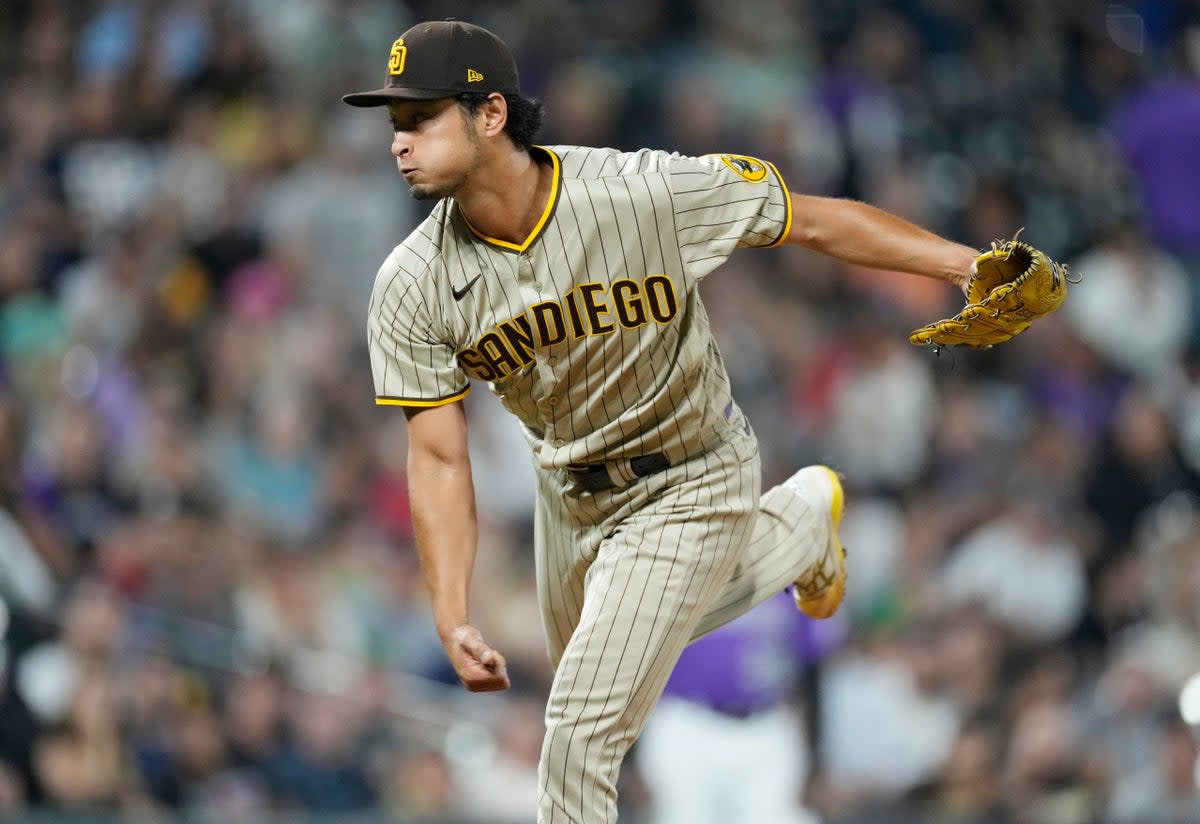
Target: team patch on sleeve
[746,167]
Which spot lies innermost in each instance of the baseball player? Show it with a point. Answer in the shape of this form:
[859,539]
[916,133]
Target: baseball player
[566,278]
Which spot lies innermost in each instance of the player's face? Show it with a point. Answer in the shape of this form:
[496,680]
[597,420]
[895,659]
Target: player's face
[435,145]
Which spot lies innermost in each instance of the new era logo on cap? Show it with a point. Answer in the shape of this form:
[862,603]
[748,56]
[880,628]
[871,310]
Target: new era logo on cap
[443,58]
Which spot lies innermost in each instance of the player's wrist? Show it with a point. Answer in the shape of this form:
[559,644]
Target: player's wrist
[449,629]
[959,264]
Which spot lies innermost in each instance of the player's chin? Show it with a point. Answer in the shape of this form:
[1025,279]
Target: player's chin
[424,191]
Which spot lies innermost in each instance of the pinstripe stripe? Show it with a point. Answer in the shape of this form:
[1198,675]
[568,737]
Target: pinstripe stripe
[714,188]
[715,207]
[622,340]
[738,236]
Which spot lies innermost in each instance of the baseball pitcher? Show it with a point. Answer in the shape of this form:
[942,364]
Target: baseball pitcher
[566,279]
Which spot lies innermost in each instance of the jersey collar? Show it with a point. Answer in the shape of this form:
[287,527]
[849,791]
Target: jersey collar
[551,202]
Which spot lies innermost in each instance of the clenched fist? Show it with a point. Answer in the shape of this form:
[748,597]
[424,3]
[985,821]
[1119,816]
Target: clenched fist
[479,667]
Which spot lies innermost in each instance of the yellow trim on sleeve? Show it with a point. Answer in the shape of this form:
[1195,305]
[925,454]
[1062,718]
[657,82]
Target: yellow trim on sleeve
[418,402]
[787,200]
[541,224]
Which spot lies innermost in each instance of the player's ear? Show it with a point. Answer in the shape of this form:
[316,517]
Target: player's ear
[495,114]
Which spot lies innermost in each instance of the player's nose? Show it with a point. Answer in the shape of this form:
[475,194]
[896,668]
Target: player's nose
[401,145]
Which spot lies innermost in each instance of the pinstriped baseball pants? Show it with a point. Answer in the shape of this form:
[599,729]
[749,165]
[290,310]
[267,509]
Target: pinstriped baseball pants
[626,579]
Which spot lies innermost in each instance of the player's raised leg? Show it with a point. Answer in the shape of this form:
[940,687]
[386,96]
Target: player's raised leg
[794,542]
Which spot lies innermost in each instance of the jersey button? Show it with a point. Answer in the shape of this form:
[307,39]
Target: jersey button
[559,442]
[552,361]
[552,400]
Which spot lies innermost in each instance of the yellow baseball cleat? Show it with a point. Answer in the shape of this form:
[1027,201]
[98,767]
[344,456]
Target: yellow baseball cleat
[819,592]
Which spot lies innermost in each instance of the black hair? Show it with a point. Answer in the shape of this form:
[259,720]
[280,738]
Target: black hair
[524,116]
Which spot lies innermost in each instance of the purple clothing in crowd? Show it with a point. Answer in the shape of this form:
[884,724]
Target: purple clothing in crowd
[753,661]
[1158,133]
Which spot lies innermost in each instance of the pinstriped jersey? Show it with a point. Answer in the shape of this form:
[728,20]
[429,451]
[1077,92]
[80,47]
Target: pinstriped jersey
[591,330]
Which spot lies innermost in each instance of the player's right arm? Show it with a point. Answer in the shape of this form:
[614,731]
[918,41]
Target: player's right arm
[443,511]
[862,234]
[725,201]
[414,366]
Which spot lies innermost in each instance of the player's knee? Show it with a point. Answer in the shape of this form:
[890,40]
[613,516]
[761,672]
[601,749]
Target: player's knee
[605,735]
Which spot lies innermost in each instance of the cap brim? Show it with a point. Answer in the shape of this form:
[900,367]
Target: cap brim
[381,97]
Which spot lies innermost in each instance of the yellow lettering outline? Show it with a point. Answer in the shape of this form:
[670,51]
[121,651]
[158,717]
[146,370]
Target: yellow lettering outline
[594,309]
[555,311]
[583,312]
[501,358]
[519,334]
[473,362]
[669,296]
[577,329]
[624,306]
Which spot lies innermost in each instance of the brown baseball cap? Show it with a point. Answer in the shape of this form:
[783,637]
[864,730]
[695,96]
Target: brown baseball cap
[443,58]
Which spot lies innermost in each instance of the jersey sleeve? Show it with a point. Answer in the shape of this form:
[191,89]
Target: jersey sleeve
[411,364]
[723,202]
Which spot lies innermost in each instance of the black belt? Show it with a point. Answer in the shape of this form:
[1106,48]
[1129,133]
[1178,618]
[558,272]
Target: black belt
[596,478]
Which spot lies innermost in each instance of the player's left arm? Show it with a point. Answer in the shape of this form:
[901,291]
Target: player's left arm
[858,233]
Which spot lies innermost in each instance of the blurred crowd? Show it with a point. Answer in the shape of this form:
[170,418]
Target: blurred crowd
[209,599]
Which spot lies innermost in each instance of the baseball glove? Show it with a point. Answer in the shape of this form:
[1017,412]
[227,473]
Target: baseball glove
[1011,286]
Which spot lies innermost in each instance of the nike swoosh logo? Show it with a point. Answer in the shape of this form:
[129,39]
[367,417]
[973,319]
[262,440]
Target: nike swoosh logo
[458,293]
